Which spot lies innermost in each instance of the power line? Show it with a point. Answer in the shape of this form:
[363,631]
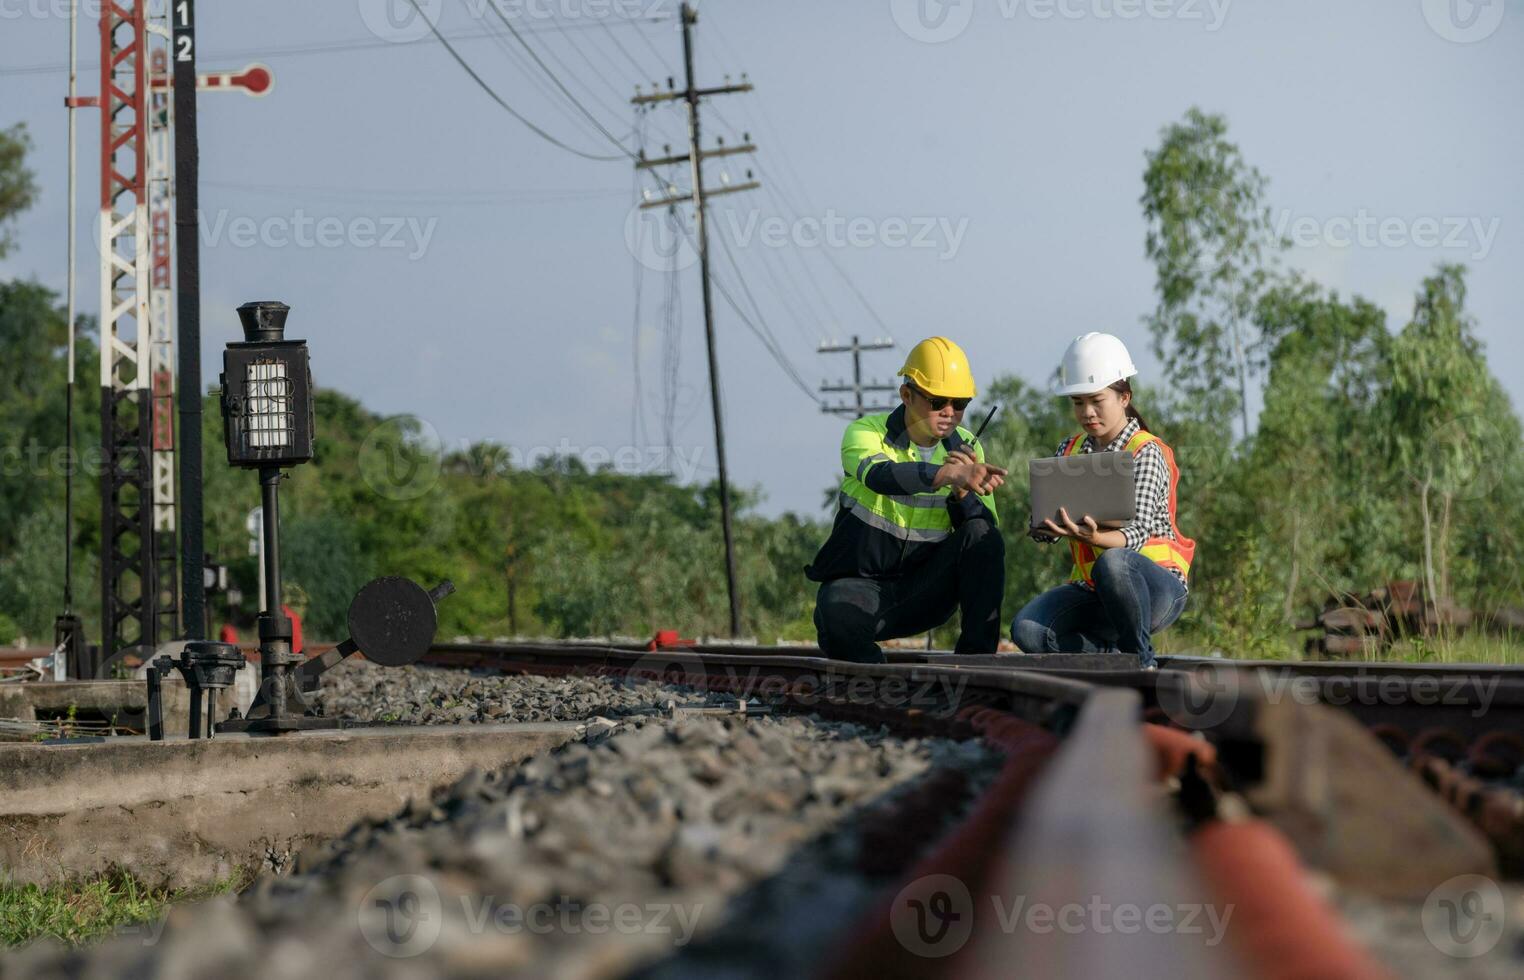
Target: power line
[552,76]
[499,99]
[571,42]
[340,47]
[661,58]
[780,191]
[637,406]
[535,77]
[832,316]
[507,45]
[639,71]
[786,297]
[763,333]
[418,195]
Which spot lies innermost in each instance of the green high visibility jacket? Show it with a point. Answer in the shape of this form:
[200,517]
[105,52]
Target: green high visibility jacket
[888,517]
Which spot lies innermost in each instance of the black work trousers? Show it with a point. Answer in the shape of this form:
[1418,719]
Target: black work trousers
[966,572]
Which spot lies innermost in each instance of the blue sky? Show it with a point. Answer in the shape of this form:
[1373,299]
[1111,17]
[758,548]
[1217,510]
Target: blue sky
[972,168]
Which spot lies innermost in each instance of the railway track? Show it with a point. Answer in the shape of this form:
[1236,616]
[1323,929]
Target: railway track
[1170,818]
[1456,727]
[1420,708]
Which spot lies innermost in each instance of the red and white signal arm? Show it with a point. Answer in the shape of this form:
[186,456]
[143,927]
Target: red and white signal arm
[253,80]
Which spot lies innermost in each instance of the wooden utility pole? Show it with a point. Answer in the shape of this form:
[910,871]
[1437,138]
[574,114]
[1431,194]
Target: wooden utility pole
[857,409]
[691,94]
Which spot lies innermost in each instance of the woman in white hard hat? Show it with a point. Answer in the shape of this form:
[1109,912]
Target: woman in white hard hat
[1130,583]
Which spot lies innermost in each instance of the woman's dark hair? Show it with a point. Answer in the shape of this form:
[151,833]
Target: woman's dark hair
[1124,388]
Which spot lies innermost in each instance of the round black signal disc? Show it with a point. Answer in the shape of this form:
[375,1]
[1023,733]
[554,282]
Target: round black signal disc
[392,620]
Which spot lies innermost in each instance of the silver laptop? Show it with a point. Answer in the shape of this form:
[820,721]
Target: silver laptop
[1098,484]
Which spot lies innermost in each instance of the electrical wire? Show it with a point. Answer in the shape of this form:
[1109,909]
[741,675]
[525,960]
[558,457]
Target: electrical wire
[618,94]
[640,71]
[787,298]
[420,195]
[552,76]
[672,326]
[786,164]
[499,99]
[654,50]
[536,78]
[342,47]
[763,332]
[637,399]
[504,42]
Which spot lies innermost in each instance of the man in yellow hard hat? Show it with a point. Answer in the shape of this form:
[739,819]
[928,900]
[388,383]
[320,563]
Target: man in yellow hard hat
[916,535]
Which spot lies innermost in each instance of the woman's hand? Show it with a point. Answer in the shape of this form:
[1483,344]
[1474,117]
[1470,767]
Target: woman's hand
[1087,531]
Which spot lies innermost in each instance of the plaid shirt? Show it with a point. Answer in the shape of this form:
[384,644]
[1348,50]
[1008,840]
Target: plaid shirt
[1151,475]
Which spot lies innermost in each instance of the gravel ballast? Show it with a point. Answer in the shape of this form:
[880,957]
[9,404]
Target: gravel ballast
[621,851]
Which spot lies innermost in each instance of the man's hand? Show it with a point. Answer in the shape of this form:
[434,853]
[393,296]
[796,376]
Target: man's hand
[1066,528]
[963,471]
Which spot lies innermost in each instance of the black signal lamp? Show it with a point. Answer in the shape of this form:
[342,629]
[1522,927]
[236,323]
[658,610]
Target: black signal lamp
[266,392]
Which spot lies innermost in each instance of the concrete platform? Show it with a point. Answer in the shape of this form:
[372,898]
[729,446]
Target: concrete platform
[125,702]
[183,813]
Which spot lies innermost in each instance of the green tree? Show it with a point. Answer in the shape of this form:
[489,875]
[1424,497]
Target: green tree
[1324,379]
[18,188]
[1439,427]
[1208,232]
[33,460]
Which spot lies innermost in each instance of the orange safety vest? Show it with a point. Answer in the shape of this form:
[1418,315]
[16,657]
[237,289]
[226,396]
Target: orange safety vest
[1171,553]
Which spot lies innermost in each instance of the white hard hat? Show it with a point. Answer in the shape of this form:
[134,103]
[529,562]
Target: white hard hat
[1093,362]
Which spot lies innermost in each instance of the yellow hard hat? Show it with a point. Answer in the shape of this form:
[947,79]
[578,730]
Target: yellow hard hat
[940,368]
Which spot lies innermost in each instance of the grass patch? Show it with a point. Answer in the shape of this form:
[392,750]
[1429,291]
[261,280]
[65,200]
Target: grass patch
[1472,647]
[80,911]
[1466,648]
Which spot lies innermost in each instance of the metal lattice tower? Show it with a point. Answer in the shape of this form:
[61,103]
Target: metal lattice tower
[129,590]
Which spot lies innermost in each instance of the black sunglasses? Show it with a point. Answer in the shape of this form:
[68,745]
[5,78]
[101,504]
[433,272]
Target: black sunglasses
[937,404]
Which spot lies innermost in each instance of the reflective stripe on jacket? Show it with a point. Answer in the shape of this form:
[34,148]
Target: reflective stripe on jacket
[881,535]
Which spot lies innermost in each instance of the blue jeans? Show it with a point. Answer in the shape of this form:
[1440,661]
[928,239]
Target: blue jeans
[1133,599]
